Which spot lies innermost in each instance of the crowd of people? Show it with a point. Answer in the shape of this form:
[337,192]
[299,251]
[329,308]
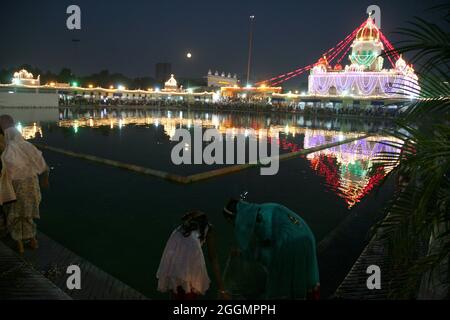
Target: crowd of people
[369,111]
[350,111]
[355,111]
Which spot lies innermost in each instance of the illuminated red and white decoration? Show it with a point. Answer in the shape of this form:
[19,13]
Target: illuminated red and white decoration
[348,168]
[365,75]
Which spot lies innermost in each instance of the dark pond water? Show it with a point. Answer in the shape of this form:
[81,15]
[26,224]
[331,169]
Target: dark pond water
[120,220]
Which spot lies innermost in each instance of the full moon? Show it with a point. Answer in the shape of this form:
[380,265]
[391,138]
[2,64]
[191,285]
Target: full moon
[189,55]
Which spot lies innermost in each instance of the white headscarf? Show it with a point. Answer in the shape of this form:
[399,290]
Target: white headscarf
[22,159]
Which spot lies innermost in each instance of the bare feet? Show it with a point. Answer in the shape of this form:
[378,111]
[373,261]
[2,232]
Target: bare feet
[34,244]
[20,247]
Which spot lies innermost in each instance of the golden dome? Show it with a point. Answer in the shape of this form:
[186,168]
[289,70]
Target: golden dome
[369,32]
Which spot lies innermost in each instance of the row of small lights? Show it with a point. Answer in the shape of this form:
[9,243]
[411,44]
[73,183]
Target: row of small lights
[156,89]
[119,87]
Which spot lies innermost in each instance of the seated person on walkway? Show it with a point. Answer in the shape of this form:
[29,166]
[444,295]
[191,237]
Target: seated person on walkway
[20,195]
[182,270]
[282,243]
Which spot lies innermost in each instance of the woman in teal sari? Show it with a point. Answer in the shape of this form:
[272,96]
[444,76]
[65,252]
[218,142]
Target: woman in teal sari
[282,243]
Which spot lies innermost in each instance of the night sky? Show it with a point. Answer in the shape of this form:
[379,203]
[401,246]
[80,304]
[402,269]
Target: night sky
[131,36]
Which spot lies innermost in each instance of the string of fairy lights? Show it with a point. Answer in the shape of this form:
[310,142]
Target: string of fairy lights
[289,75]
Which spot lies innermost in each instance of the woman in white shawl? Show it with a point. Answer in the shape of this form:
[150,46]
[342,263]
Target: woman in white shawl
[20,195]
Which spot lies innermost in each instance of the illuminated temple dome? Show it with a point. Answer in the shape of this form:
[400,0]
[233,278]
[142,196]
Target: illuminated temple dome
[365,75]
[367,47]
[171,84]
[23,77]
[400,65]
[23,74]
[369,32]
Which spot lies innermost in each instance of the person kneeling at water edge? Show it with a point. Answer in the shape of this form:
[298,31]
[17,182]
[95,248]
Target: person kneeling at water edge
[182,270]
[282,243]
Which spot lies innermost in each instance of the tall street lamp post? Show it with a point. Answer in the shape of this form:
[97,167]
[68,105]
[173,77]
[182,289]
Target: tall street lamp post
[189,57]
[250,47]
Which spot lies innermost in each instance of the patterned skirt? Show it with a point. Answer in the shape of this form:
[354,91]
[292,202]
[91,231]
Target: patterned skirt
[21,213]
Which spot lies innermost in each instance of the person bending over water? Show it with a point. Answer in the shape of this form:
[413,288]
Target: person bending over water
[20,193]
[279,240]
[182,270]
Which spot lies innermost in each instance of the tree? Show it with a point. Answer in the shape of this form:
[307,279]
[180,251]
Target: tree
[417,225]
[66,75]
[5,76]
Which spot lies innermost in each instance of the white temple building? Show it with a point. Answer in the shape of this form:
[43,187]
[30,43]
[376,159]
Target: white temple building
[25,78]
[221,80]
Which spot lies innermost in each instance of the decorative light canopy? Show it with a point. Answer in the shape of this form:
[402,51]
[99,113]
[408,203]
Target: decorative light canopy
[365,76]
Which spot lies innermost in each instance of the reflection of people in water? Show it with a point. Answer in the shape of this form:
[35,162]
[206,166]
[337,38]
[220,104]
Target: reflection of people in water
[20,195]
[182,270]
[282,243]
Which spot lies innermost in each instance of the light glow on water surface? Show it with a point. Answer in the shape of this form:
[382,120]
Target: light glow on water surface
[346,169]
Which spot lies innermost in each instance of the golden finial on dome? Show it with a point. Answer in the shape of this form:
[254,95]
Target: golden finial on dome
[369,32]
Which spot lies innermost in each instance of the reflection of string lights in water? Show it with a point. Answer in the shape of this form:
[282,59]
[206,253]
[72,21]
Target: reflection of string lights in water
[347,169]
[255,130]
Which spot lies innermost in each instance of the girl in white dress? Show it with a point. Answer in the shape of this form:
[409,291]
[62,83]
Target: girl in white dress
[182,270]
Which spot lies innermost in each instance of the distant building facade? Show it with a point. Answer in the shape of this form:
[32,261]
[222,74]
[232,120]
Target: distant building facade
[163,70]
[221,80]
[23,77]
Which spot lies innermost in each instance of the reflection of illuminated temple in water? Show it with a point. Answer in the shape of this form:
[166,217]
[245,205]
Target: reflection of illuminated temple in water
[30,132]
[348,168]
[171,122]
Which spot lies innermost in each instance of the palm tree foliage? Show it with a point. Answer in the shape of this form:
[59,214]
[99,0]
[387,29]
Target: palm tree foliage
[419,210]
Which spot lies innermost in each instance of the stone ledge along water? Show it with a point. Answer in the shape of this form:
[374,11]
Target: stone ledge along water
[42,275]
